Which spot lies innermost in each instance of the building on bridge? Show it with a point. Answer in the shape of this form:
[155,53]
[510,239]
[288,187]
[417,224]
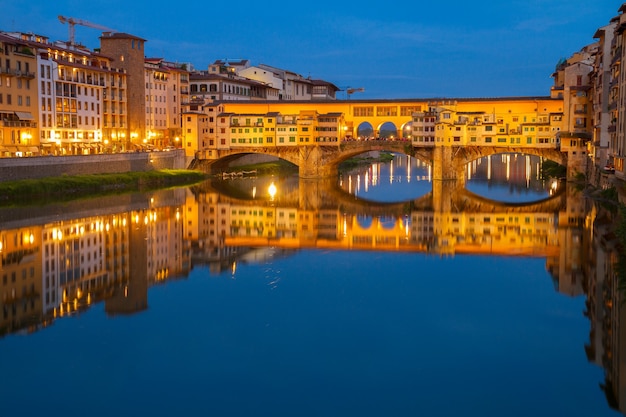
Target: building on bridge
[480,126]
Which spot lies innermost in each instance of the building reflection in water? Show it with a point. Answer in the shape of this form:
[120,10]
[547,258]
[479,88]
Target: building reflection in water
[63,262]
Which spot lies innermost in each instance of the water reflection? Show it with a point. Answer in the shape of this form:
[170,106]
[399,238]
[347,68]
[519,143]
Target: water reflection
[508,177]
[65,259]
[410,176]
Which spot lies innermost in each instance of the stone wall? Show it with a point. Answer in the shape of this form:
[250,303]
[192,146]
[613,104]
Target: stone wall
[12,169]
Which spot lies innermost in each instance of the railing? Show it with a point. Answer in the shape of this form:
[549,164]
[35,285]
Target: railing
[18,123]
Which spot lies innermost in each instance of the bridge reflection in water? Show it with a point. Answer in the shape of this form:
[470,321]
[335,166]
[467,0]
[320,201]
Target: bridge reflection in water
[112,250]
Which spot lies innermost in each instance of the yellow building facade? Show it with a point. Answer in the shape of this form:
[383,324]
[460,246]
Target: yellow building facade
[18,98]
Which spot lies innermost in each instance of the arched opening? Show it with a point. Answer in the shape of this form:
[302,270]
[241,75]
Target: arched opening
[365,131]
[388,130]
[365,222]
[407,131]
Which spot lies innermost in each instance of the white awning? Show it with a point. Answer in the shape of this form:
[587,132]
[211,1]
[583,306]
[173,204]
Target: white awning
[23,115]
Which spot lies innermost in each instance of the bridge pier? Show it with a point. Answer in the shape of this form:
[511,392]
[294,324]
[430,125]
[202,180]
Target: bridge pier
[316,162]
[445,166]
[316,171]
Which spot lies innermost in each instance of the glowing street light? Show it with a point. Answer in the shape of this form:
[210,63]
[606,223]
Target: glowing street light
[272,191]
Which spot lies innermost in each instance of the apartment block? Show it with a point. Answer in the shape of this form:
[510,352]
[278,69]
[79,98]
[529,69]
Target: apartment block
[18,97]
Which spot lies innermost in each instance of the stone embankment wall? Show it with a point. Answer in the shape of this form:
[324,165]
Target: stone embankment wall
[12,169]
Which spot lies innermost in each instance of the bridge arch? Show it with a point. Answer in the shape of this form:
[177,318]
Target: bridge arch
[365,130]
[471,153]
[387,130]
[406,129]
[223,163]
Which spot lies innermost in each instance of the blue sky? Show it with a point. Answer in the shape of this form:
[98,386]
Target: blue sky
[415,50]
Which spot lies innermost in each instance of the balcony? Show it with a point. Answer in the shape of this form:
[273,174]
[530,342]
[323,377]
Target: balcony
[25,74]
[18,123]
[7,71]
[17,73]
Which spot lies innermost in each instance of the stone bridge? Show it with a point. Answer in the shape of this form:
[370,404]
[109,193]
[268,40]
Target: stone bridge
[447,134]
[322,160]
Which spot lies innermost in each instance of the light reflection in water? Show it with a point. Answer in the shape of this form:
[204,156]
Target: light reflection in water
[100,259]
[410,178]
[509,178]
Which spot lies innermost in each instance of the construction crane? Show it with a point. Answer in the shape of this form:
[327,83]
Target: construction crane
[350,91]
[71,22]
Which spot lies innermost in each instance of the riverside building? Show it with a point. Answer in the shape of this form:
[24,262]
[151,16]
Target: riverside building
[18,98]
[61,98]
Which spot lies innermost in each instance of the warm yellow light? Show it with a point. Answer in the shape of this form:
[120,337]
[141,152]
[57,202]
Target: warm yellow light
[272,190]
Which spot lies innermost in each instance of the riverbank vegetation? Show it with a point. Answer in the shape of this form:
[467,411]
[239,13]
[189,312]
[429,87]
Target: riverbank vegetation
[279,166]
[553,169]
[65,188]
[365,159]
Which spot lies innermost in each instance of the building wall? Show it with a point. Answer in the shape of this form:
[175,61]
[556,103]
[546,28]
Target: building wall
[601,114]
[128,54]
[18,93]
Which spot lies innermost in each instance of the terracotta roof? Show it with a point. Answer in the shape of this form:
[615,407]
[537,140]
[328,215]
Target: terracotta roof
[120,35]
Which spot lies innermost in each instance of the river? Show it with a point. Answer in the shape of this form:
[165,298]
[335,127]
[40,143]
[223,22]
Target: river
[380,294]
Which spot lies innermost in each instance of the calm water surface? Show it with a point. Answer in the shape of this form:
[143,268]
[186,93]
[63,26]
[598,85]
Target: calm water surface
[227,300]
